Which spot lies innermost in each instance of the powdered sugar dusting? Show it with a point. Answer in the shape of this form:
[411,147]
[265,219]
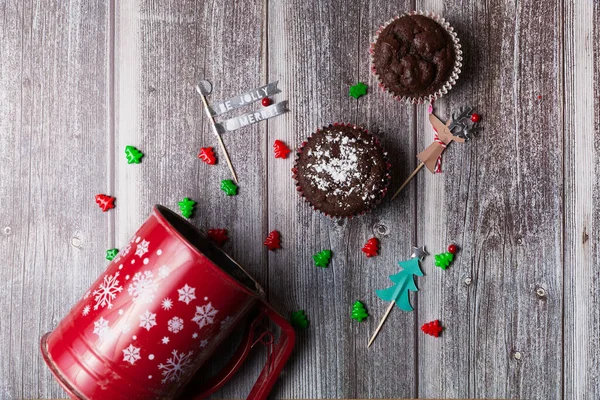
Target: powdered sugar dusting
[335,171]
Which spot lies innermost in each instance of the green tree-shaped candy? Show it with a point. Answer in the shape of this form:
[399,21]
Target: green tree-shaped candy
[111,253]
[298,319]
[229,187]
[134,156]
[443,260]
[186,206]
[322,258]
[358,311]
[358,90]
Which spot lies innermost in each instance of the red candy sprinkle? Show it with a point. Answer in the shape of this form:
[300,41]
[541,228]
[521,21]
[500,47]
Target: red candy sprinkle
[105,202]
[475,117]
[452,249]
[281,150]
[207,155]
[218,236]
[273,241]
[371,248]
[266,102]
[433,328]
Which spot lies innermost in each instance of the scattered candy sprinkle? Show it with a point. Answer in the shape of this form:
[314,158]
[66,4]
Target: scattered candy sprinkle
[358,90]
[280,149]
[322,258]
[443,260]
[105,202]
[186,206]
[134,156]
[229,187]
[298,319]
[371,248]
[111,254]
[433,328]
[358,311]
[218,236]
[207,155]
[273,241]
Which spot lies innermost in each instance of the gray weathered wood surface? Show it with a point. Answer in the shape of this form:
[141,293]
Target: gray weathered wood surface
[80,80]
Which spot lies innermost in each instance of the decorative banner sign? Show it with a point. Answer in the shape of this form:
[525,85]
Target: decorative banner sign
[204,88]
[252,117]
[245,98]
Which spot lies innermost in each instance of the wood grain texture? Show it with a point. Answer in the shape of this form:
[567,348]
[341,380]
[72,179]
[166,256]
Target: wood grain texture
[80,80]
[500,199]
[329,55]
[162,50]
[582,217]
[53,152]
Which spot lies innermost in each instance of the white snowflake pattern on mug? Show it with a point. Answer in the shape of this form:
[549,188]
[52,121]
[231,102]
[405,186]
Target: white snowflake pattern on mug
[125,250]
[85,311]
[131,354]
[187,294]
[175,324]
[176,367]
[143,287]
[166,303]
[225,323]
[141,248]
[205,315]
[164,271]
[147,320]
[101,328]
[107,291]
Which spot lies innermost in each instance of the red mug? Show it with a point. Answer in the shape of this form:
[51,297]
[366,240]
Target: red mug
[157,314]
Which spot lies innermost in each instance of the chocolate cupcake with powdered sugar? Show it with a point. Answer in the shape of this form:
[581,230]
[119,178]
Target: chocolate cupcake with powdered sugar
[342,171]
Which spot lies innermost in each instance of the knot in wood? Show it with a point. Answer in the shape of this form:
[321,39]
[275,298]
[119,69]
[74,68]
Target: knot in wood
[380,229]
[76,242]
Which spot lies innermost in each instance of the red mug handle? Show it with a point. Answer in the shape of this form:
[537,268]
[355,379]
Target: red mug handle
[275,362]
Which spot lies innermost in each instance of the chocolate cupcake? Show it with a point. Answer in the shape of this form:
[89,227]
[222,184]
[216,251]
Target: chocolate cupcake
[342,170]
[416,57]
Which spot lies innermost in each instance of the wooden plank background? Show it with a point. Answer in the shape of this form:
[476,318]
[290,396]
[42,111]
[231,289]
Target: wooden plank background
[80,80]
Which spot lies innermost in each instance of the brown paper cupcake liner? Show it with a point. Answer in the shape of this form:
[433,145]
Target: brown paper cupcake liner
[455,71]
[382,193]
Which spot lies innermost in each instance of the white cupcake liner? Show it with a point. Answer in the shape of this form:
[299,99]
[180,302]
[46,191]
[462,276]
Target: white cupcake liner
[453,76]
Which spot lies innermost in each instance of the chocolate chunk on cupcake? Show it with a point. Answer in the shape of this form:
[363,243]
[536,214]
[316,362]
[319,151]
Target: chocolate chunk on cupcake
[342,171]
[416,57]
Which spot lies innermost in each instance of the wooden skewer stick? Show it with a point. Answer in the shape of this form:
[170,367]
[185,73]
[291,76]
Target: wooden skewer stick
[408,180]
[215,131]
[387,313]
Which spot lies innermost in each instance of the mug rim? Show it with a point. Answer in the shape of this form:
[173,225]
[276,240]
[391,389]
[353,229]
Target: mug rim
[160,213]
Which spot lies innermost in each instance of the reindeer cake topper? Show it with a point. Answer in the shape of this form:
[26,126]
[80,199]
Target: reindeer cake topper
[460,128]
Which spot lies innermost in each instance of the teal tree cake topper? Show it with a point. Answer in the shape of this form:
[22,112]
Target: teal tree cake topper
[404,281]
